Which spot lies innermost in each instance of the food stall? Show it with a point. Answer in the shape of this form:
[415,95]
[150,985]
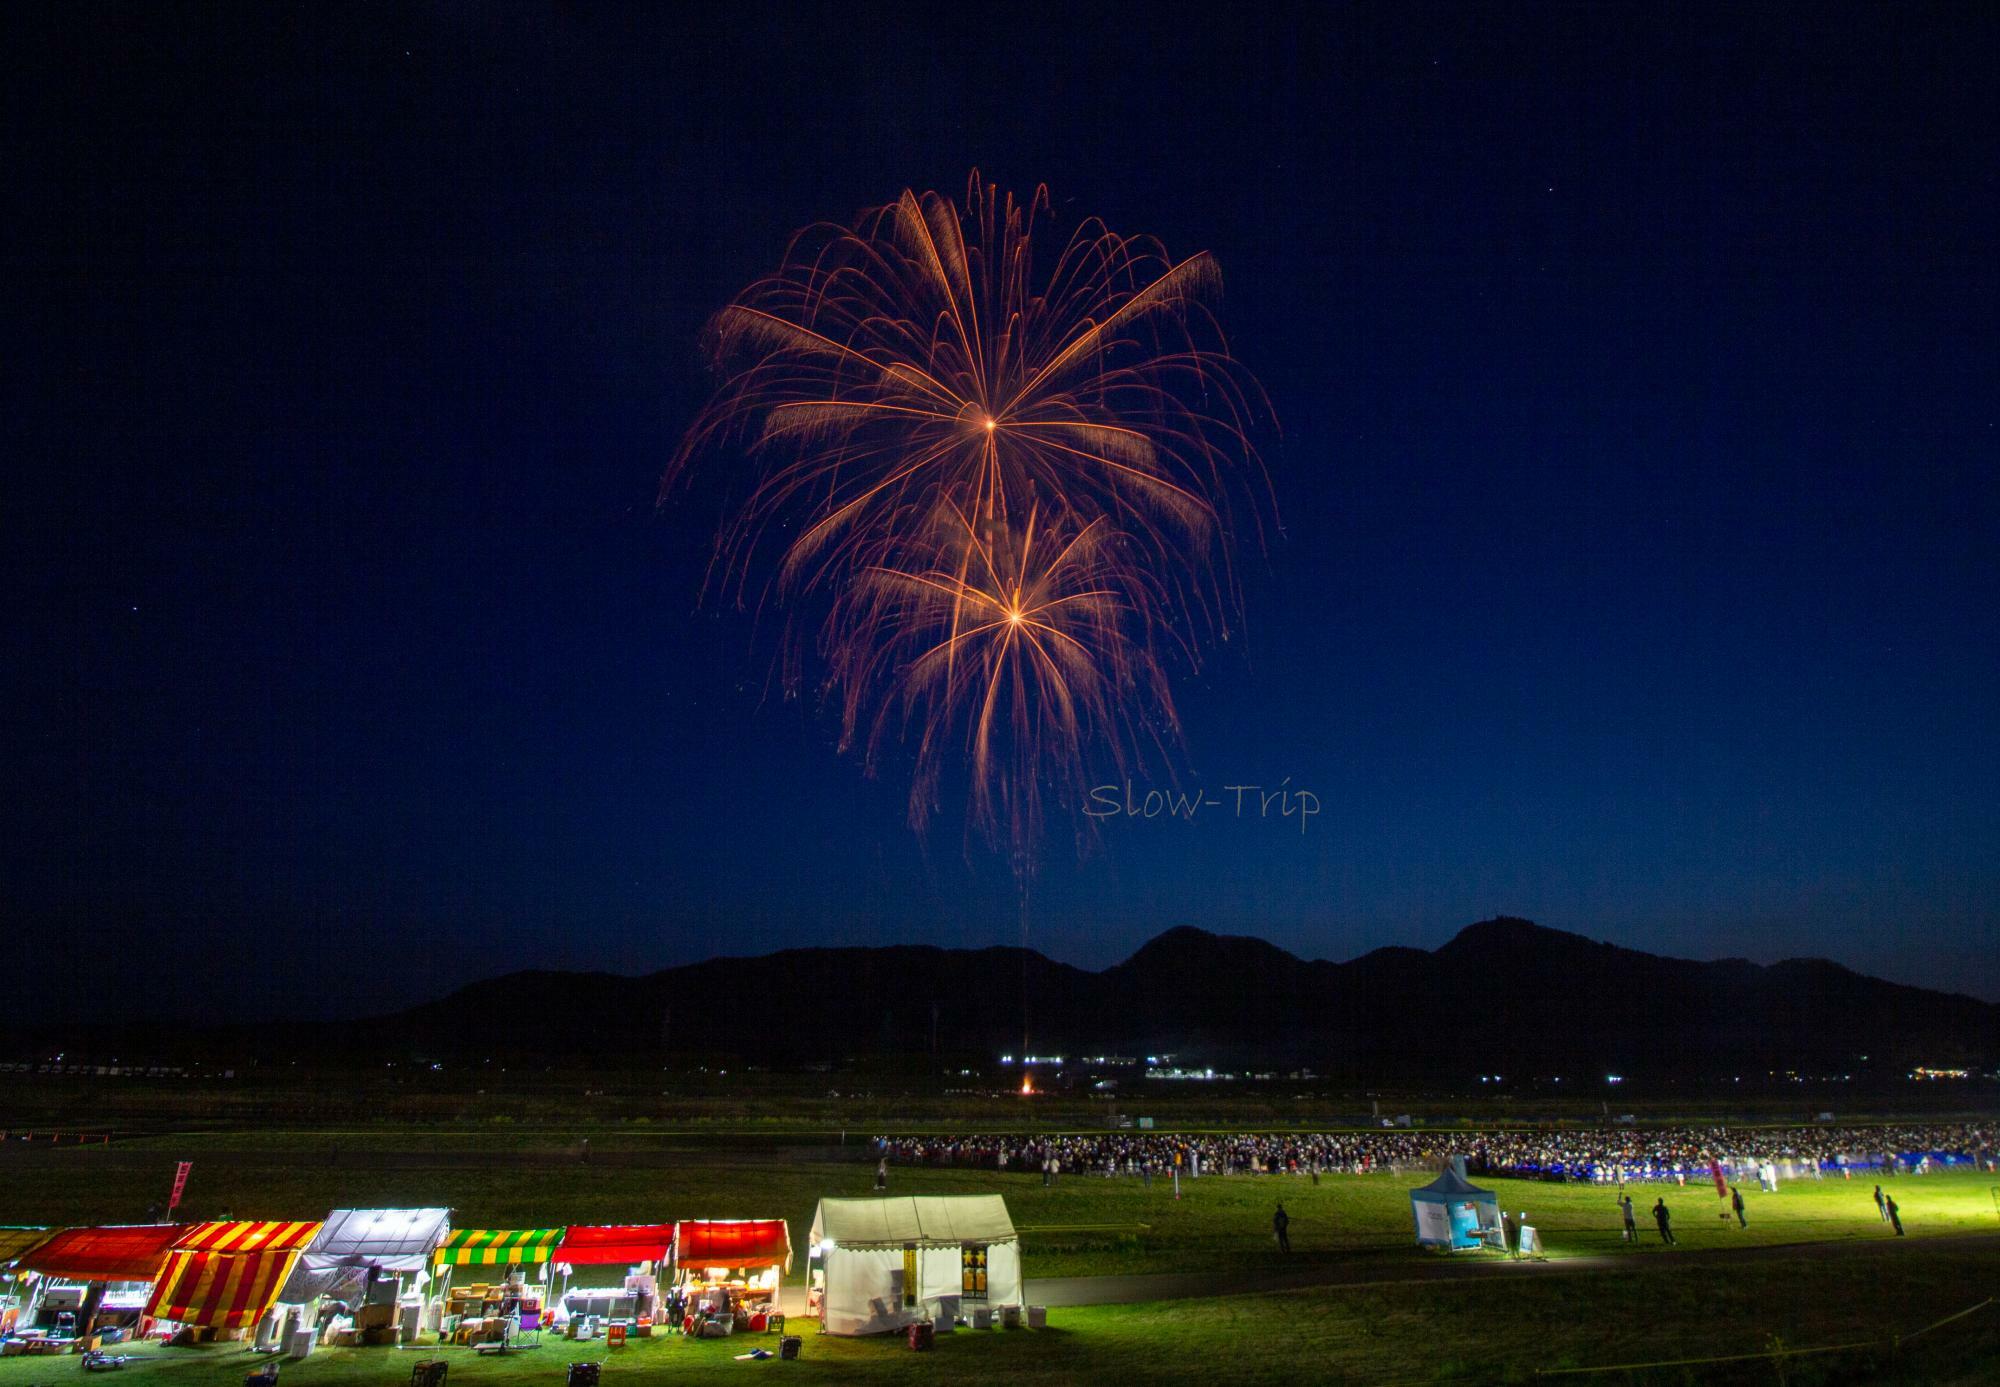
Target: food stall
[734,1266]
[96,1279]
[222,1278]
[610,1274]
[361,1261]
[877,1265]
[492,1308]
[16,1285]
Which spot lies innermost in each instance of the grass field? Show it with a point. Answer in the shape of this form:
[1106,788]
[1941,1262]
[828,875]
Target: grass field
[1455,1333]
[1616,1304]
[1085,1225]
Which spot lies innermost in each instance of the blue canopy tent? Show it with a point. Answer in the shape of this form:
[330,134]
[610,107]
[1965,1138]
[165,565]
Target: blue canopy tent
[1451,1212]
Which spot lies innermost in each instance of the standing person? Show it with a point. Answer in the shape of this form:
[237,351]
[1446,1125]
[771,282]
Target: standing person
[1282,1221]
[882,1175]
[1664,1220]
[1880,1207]
[1736,1207]
[1631,1224]
[1895,1216]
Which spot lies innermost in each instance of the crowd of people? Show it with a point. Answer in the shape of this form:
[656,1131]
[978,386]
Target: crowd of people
[1602,1154]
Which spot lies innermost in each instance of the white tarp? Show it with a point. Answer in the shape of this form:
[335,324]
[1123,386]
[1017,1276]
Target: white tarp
[398,1242]
[967,1218]
[859,1245]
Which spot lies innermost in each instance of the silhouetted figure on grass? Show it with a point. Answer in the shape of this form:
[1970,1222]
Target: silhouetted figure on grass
[1895,1215]
[1280,1223]
[1736,1206]
[1664,1220]
[1880,1208]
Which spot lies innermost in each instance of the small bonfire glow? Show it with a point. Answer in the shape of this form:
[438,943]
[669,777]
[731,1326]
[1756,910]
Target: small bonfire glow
[1027,1085]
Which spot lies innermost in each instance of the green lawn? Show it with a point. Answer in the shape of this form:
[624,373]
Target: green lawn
[1651,1303]
[1490,1330]
[1084,1226]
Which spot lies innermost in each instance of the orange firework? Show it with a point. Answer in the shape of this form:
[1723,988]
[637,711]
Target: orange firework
[1027,648]
[927,406]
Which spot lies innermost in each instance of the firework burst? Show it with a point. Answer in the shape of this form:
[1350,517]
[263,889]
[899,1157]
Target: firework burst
[1013,653]
[947,433]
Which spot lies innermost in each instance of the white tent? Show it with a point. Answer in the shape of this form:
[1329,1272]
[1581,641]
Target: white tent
[880,1264]
[394,1242]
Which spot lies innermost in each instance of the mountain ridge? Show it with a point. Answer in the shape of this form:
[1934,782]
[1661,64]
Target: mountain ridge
[1501,994]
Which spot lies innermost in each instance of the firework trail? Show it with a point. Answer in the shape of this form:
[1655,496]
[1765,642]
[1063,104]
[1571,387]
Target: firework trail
[1024,649]
[985,491]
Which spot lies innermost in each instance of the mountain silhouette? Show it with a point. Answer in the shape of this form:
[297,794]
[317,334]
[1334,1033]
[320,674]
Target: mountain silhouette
[1503,996]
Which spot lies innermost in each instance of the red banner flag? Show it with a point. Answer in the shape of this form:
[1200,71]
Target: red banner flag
[1721,1185]
[180,1184]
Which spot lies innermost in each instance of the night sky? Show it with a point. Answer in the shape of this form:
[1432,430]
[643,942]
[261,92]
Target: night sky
[1638,375]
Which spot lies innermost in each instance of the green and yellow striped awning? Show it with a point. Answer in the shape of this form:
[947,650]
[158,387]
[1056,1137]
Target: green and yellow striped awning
[498,1247]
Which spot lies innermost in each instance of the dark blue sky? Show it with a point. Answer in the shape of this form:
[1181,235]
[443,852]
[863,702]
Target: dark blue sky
[1639,380]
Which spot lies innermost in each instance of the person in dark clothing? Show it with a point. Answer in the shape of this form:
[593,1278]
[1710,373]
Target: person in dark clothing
[1280,1223]
[1664,1220]
[1895,1216]
[1736,1207]
[1880,1211]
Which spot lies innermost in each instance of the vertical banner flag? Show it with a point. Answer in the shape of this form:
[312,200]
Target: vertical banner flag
[1721,1185]
[180,1184]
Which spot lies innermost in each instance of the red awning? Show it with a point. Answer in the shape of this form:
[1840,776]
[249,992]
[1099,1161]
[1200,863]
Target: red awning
[610,1244]
[749,1242]
[134,1252]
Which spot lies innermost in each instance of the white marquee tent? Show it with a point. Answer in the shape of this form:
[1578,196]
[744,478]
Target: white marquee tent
[393,1242]
[880,1264]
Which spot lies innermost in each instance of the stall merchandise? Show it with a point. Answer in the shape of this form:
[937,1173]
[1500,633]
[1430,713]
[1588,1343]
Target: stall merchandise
[877,1265]
[364,1267]
[639,1251]
[16,1285]
[488,1312]
[357,1246]
[225,1276]
[732,1267]
[94,1277]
